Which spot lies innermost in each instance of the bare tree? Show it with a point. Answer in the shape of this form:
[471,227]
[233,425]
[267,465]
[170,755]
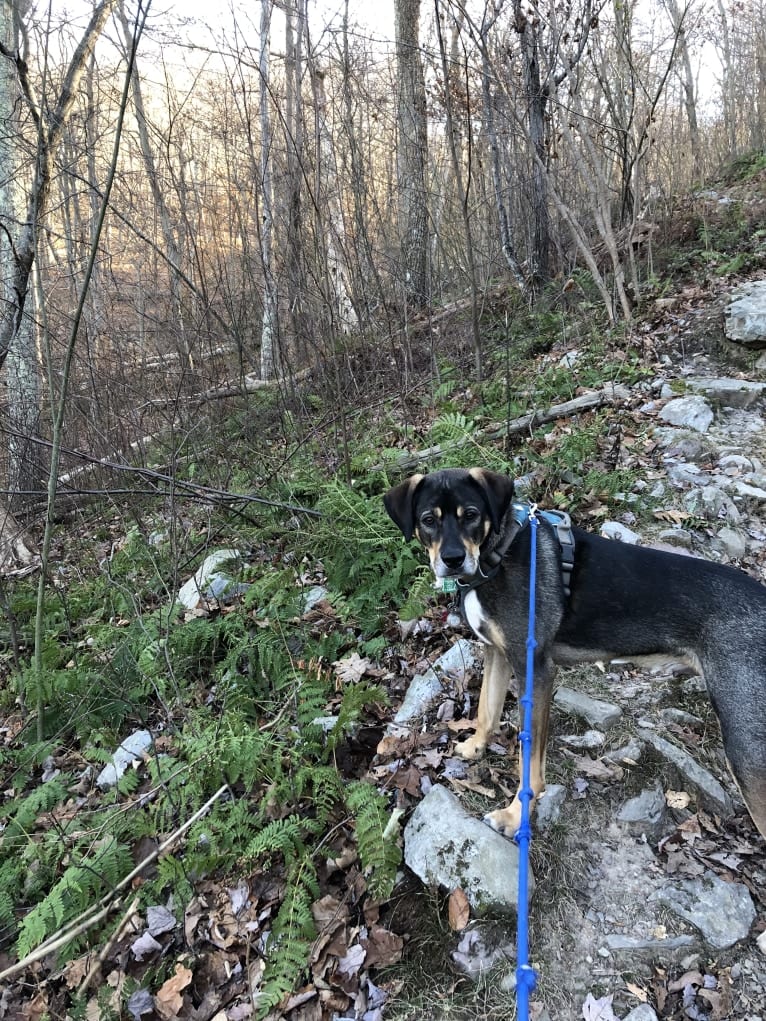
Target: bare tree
[23,209]
[411,153]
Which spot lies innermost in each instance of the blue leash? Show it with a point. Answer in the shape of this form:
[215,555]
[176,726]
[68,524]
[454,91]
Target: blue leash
[526,976]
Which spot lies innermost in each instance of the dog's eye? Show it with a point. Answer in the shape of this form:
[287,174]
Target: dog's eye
[428,520]
[471,514]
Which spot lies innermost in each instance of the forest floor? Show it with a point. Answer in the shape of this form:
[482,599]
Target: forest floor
[199,953]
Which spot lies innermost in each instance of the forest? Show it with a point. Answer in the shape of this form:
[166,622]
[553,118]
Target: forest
[255,267]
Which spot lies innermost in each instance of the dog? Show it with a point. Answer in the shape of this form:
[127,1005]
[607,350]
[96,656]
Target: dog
[613,600]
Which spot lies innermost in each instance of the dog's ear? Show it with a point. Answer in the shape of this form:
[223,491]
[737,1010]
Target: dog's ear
[399,504]
[499,492]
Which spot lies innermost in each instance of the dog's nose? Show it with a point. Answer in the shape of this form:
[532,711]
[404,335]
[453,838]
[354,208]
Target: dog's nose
[453,560]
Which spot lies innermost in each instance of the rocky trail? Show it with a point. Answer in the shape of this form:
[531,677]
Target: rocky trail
[650,897]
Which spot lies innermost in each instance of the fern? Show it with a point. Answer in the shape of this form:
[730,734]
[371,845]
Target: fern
[378,852]
[77,888]
[288,949]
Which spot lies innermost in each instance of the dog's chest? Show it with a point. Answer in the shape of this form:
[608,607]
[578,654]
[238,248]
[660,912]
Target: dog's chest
[475,616]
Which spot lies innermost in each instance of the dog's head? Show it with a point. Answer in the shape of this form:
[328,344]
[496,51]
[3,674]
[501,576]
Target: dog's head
[451,512]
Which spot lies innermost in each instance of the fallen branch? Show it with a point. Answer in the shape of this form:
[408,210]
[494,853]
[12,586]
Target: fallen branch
[614,393]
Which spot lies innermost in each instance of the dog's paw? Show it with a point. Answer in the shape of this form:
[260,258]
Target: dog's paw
[505,820]
[473,748]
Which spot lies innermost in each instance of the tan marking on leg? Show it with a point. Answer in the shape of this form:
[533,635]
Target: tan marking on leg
[494,687]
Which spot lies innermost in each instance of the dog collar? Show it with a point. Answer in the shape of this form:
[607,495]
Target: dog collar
[489,564]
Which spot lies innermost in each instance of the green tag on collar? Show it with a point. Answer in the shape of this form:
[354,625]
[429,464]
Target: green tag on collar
[449,585]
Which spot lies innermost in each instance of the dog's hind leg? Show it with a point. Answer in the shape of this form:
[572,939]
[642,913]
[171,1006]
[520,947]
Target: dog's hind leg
[740,705]
[508,820]
[494,687]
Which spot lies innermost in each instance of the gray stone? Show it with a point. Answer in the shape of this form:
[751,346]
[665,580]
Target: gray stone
[210,582]
[731,393]
[598,714]
[732,542]
[627,755]
[548,806]
[459,658]
[619,943]
[676,537]
[709,791]
[590,739]
[735,464]
[133,748]
[644,814]
[692,412]
[722,912]
[643,1012]
[443,845]
[685,445]
[746,493]
[745,320]
[616,530]
[424,688]
[687,474]
[313,597]
[711,503]
[681,718]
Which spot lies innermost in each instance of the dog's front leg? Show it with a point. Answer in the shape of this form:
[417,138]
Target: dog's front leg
[494,686]
[508,820]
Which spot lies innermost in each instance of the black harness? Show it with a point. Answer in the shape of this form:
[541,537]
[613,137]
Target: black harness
[489,563]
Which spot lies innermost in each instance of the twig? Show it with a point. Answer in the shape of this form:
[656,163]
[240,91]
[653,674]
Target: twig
[124,922]
[87,919]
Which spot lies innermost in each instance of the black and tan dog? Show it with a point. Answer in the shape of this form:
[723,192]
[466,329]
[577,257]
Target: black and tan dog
[625,601]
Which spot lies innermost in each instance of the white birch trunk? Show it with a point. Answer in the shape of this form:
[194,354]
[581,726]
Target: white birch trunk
[269,332]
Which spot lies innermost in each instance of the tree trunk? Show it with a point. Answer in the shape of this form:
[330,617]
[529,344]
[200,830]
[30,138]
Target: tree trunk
[412,152]
[677,17]
[269,329]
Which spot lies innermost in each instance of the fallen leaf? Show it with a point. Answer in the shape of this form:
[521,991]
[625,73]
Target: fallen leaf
[598,1010]
[145,944]
[638,992]
[168,1000]
[351,668]
[677,799]
[459,910]
[383,947]
[352,960]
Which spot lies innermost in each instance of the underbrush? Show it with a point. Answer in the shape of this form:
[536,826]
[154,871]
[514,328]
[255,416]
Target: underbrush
[252,771]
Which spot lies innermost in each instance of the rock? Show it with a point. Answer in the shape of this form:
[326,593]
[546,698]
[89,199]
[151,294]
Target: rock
[548,806]
[616,530]
[722,912]
[687,474]
[132,748]
[644,814]
[482,946]
[210,582]
[676,537]
[444,845]
[681,718]
[744,492]
[745,320]
[570,359]
[424,688]
[598,714]
[643,1012]
[627,755]
[633,945]
[710,793]
[735,464]
[692,412]
[459,658]
[313,597]
[685,445]
[590,739]
[711,503]
[731,393]
[732,542]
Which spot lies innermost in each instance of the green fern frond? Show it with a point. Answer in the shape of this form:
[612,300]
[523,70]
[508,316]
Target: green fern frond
[378,852]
